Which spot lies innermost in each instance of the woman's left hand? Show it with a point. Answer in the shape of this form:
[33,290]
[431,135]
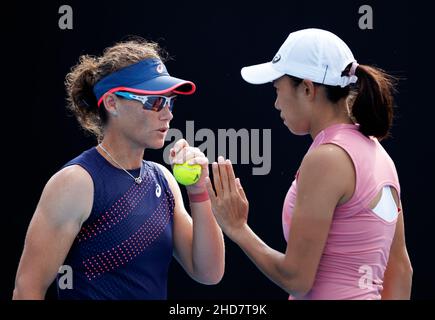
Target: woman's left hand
[229,203]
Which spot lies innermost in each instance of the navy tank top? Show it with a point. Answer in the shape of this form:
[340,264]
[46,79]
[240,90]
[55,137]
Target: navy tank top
[124,248]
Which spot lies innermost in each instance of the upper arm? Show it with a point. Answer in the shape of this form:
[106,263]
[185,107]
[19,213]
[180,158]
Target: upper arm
[398,274]
[398,252]
[65,204]
[326,175]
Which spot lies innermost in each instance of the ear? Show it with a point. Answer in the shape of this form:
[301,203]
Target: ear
[309,89]
[109,102]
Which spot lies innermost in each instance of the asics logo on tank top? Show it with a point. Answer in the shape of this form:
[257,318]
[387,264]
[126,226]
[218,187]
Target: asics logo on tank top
[158,190]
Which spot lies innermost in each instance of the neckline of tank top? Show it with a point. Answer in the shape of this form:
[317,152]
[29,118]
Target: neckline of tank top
[336,126]
[114,167]
[341,126]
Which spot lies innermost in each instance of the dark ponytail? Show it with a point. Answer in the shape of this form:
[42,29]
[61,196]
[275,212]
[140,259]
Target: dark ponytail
[373,104]
[371,99]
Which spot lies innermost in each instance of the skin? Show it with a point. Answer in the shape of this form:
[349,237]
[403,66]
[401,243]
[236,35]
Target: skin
[67,199]
[326,179]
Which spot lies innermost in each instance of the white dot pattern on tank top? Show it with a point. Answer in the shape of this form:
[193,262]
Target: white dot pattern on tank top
[117,212]
[128,249]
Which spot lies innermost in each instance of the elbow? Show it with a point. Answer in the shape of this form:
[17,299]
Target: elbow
[409,271]
[298,285]
[27,291]
[404,267]
[210,279]
[16,295]
[298,290]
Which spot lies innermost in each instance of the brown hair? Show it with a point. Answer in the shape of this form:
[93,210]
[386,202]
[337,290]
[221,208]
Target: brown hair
[371,99]
[80,81]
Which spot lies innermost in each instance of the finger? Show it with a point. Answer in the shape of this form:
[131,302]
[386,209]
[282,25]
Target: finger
[180,144]
[210,190]
[231,176]
[187,154]
[184,155]
[171,155]
[224,175]
[194,154]
[240,189]
[217,179]
[199,157]
[203,161]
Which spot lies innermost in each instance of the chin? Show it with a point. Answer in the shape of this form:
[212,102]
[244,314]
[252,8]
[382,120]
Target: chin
[156,145]
[298,132]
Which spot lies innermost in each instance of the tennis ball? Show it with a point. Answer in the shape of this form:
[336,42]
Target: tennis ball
[187,174]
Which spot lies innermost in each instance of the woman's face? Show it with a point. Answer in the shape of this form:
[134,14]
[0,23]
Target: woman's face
[146,128]
[291,102]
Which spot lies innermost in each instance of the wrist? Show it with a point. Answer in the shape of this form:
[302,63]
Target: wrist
[198,196]
[238,234]
[196,188]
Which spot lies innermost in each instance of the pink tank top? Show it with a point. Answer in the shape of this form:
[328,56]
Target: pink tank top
[356,253]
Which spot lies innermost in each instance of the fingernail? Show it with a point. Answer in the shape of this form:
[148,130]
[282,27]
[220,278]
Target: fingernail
[220,159]
[228,161]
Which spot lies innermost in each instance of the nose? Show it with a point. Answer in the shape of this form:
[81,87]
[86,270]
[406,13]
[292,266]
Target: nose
[276,104]
[165,113]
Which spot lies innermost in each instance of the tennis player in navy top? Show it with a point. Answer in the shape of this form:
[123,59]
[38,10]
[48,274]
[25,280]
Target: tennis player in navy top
[109,217]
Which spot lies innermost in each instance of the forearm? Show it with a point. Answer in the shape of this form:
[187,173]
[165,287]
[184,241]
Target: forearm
[397,283]
[208,253]
[271,262]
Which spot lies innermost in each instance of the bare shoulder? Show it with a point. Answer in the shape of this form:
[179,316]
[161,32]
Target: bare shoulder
[327,156]
[330,165]
[68,195]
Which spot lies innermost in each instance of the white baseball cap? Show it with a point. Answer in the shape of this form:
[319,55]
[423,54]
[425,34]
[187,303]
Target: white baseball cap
[312,54]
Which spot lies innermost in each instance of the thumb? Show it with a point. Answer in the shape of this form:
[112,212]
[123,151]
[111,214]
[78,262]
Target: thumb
[180,144]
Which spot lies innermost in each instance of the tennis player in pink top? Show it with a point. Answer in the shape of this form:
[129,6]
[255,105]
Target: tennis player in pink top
[342,216]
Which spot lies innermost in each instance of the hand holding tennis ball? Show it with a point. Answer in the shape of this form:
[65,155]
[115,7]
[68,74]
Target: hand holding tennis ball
[187,174]
[190,165]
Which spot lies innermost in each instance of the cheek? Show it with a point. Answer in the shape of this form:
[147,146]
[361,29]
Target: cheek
[136,121]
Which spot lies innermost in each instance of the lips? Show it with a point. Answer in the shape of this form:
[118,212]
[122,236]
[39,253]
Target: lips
[163,130]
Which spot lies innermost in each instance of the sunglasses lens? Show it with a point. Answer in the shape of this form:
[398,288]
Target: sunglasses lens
[154,103]
[158,103]
[171,103]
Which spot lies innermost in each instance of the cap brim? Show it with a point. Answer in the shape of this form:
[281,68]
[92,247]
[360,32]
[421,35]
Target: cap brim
[158,85]
[161,85]
[260,73]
